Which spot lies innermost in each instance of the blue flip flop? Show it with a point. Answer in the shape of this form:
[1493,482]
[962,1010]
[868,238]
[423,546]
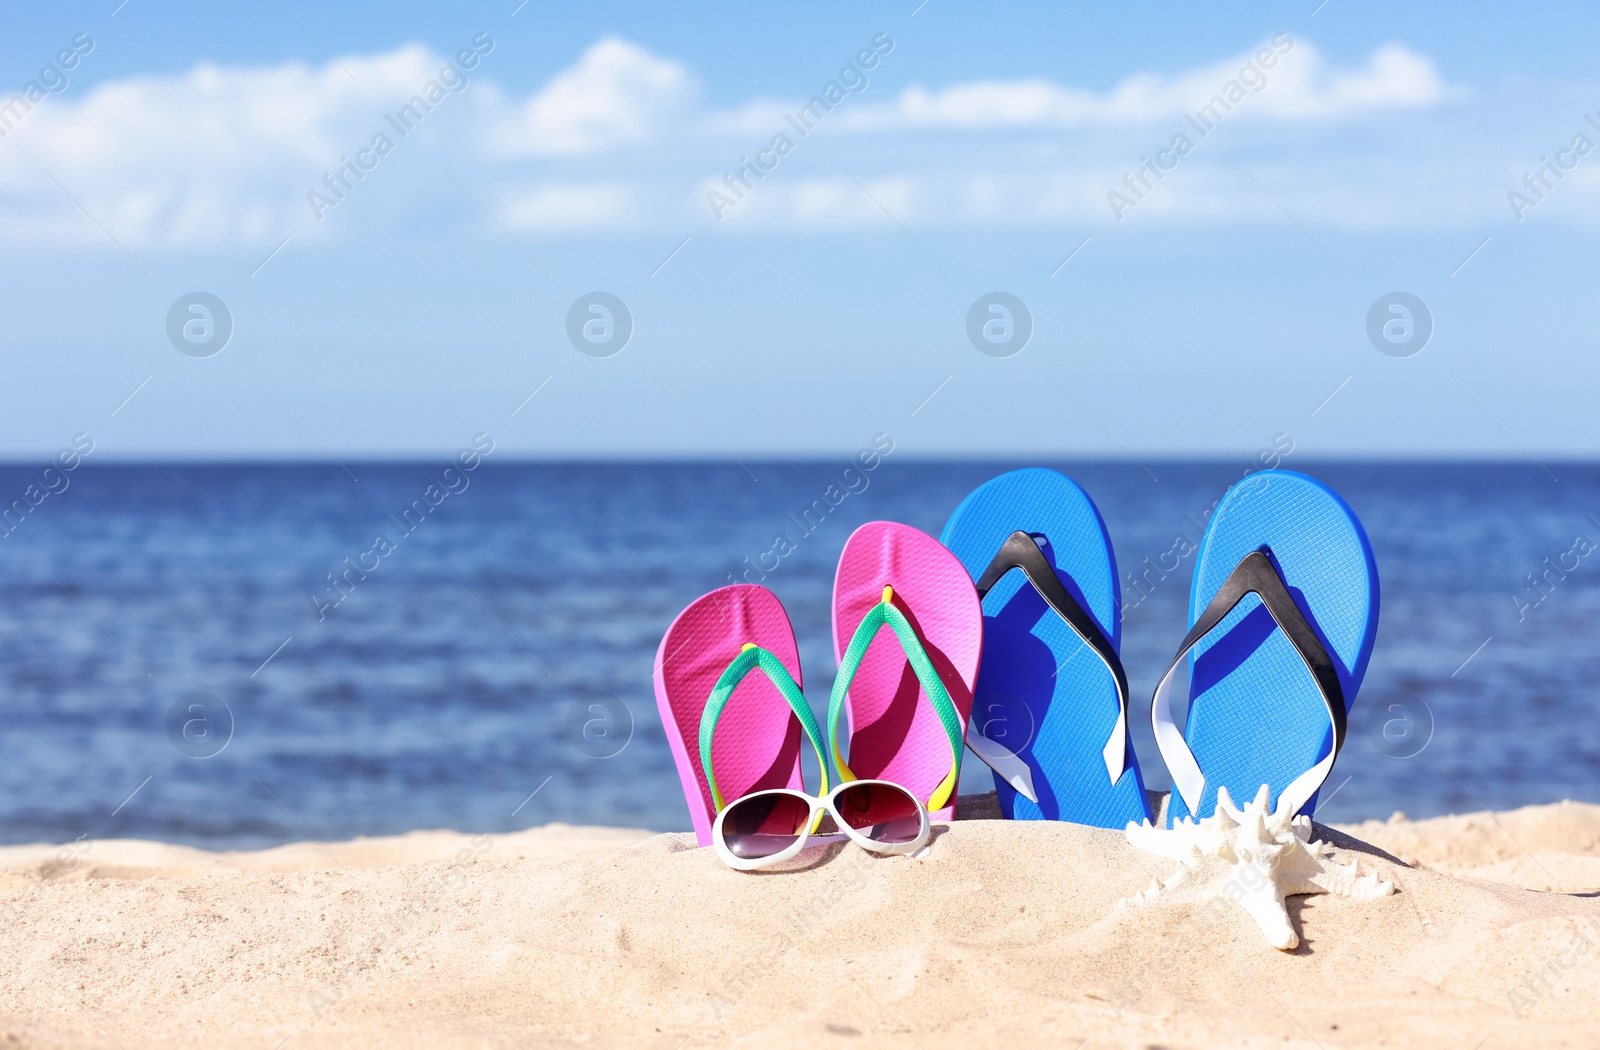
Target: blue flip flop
[1050,708]
[1283,614]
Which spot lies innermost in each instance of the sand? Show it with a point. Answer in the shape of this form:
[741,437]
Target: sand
[1006,934]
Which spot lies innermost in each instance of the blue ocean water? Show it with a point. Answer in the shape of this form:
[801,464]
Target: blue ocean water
[489,667]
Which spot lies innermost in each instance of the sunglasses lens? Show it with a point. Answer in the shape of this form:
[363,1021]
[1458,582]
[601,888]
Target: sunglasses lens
[881,812]
[762,825]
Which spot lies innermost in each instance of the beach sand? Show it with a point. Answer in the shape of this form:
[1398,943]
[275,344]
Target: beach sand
[1004,934]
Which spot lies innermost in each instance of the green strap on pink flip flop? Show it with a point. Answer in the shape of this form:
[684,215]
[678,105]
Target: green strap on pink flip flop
[752,657]
[884,614]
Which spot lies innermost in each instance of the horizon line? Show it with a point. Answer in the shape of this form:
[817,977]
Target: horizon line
[8,461]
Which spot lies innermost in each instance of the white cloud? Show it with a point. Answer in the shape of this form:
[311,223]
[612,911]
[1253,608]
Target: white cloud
[214,155]
[1297,84]
[835,202]
[619,142]
[617,93]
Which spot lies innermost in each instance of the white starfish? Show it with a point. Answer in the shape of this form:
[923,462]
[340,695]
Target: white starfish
[1250,857]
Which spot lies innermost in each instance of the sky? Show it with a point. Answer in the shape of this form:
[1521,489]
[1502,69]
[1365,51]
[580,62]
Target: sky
[706,230]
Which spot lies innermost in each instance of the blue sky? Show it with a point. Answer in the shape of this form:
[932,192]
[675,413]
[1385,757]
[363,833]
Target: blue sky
[1365,151]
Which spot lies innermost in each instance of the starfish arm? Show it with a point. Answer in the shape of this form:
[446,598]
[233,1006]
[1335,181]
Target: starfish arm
[1347,881]
[1177,844]
[1253,857]
[1266,907]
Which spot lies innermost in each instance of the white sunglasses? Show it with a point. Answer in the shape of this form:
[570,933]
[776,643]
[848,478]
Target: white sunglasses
[768,827]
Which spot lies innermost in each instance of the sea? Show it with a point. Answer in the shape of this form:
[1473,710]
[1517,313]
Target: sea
[243,655]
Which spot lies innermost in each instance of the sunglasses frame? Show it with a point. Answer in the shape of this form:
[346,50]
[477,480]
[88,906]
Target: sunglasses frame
[818,806]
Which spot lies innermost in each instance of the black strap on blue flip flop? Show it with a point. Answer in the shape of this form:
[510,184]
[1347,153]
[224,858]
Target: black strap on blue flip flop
[1021,551]
[1255,574]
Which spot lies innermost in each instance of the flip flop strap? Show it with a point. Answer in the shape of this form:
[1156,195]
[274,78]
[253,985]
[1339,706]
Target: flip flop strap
[885,614]
[1020,551]
[753,657]
[1255,574]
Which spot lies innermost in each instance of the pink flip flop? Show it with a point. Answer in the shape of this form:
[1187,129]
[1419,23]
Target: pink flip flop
[758,739]
[895,731]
